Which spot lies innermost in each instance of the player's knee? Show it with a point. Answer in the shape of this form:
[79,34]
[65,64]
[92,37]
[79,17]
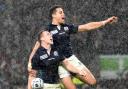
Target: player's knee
[93,82]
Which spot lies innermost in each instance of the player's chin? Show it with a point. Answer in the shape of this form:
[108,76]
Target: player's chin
[51,43]
[63,21]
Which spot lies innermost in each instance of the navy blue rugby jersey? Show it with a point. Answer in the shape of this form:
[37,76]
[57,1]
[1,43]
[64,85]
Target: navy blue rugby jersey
[47,64]
[61,37]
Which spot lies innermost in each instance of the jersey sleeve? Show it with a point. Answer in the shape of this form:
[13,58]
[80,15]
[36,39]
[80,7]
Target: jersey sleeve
[73,28]
[61,56]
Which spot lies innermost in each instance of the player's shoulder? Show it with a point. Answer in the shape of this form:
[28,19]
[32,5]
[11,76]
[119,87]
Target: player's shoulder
[69,25]
[52,25]
[65,24]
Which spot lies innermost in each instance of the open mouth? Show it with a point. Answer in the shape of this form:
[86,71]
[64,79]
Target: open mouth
[63,18]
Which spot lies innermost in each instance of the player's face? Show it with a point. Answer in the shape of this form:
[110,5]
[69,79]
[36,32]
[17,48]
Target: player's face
[47,37]
[59,15]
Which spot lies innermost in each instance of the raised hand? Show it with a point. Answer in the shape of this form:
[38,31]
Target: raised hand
[110,20]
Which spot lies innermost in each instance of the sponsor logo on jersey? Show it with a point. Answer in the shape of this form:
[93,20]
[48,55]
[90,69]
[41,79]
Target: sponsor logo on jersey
[61,33]
[54,32]
[43,56]
[56,53]
[51,58]
[66,28]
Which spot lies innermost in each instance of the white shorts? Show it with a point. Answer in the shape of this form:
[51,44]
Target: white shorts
[63,72]
[74,60]
[51,86]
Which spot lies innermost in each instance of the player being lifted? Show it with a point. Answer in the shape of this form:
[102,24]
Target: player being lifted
[61,37]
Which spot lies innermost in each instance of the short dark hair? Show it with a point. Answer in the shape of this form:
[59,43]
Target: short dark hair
[53,10]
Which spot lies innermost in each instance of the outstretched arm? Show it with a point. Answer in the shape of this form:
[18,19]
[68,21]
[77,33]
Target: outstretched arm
[95,25]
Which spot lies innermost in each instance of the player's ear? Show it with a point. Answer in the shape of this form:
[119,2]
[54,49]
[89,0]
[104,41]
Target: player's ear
[42,38]
[53,15]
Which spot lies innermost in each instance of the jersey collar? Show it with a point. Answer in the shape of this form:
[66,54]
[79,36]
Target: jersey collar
[55,25]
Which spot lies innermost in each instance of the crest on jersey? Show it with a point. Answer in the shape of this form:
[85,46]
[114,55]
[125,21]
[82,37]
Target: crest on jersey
[66,28]
[43,56]
[54,32]
[56,53]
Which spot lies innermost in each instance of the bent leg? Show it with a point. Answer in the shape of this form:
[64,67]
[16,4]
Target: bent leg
[66,78]
[89,78]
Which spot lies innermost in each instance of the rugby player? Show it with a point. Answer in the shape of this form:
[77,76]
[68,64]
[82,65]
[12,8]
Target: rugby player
[46,61]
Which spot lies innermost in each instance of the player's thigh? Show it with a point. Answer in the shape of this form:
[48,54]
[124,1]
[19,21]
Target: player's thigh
[63,72]
[75,61]
[89,78]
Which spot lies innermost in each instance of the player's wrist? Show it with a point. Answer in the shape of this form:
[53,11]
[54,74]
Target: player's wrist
[104,22]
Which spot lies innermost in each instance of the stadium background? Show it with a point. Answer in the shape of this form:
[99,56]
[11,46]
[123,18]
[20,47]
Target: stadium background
[20,21]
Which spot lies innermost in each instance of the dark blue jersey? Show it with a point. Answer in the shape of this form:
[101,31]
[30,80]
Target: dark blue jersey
[61,37]
[47,64]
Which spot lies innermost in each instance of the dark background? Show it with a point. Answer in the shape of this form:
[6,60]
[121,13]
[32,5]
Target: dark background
[20,21]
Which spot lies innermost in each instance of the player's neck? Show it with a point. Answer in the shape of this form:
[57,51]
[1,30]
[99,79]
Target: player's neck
[46,45]
[55,22]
